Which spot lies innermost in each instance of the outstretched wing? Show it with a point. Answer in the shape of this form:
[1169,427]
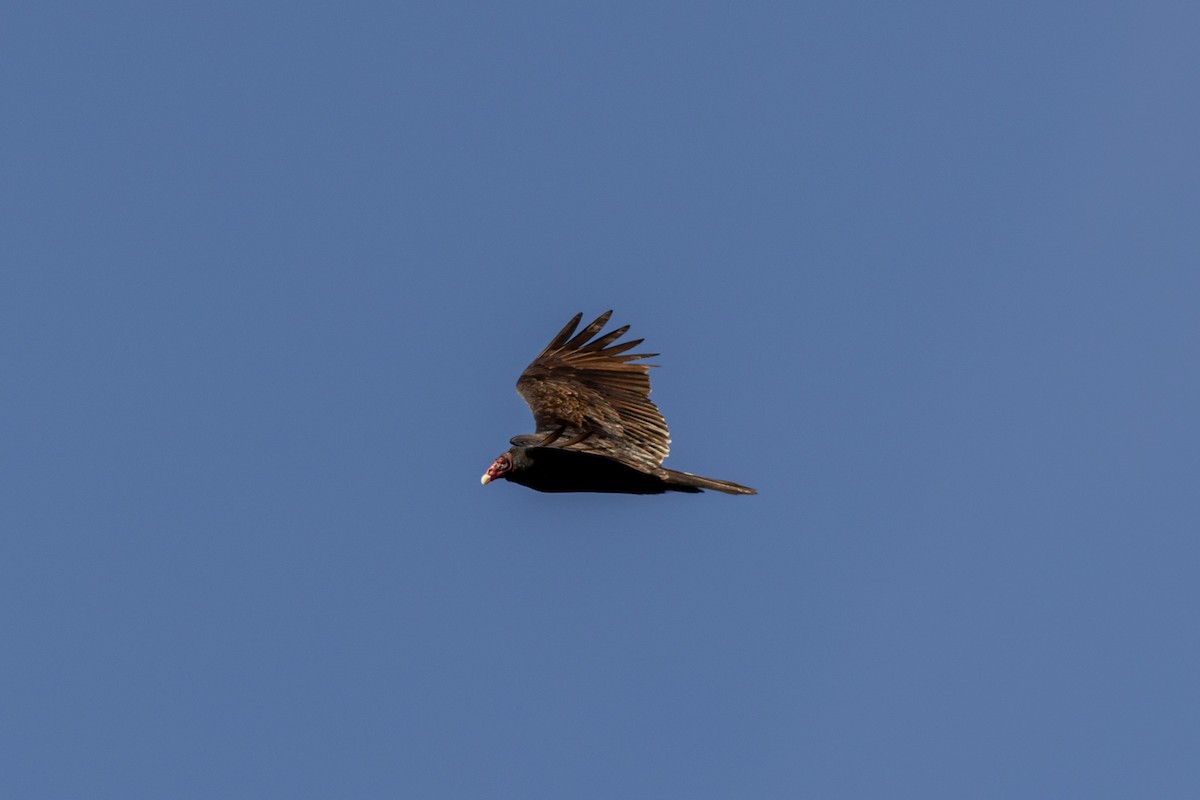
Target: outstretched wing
[591,388]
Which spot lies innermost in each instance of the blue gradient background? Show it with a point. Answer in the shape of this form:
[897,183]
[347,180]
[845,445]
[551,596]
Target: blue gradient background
[927,276]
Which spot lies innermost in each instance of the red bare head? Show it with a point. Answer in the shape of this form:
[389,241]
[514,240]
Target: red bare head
[498,468]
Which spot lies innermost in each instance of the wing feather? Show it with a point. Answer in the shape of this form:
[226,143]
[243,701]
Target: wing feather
[565,333]
[588,332]
[623,346]
[607,339]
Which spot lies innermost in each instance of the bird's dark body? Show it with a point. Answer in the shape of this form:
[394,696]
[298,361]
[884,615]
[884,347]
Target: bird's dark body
[554,469]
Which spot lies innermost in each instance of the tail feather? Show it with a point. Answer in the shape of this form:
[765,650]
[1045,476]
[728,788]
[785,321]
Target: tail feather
[687,482]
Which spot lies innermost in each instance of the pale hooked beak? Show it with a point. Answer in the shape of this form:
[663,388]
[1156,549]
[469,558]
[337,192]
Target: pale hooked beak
[484,480]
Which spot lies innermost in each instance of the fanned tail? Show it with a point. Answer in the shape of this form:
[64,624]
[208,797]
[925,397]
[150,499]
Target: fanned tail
[687,482]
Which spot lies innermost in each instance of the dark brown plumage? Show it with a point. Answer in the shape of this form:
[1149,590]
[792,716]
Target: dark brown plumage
[597,429]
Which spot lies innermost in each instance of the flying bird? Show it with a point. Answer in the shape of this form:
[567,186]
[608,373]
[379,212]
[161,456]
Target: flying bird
[597,429]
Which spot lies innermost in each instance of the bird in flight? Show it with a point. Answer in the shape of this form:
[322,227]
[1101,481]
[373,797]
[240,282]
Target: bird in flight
[597,429]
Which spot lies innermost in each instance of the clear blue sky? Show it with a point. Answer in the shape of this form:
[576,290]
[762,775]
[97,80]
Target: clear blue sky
[927,276]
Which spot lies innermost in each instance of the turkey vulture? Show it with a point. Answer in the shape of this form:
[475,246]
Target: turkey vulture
[597,429]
